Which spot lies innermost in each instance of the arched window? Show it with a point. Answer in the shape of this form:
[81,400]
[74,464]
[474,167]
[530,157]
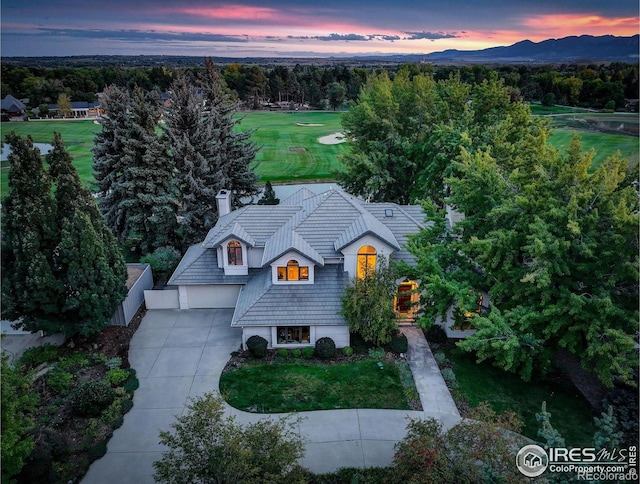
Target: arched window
[366,260]
[293,272]
[234,253]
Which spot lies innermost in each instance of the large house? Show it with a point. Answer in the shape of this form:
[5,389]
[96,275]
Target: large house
[284,268]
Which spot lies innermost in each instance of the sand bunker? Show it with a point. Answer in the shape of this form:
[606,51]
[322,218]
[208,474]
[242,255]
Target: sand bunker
[310,124]
[297,149]
[332,139]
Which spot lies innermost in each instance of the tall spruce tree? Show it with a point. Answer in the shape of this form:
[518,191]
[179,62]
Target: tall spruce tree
[235,151]
[30,290]
[87,260]
[189,130]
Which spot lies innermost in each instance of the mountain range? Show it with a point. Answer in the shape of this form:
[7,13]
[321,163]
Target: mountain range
[583,48]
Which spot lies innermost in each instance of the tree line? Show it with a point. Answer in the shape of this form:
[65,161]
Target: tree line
[328,87]
[156,194]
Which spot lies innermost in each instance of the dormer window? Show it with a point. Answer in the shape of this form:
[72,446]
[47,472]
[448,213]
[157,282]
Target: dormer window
[234,253]
[367,256]
[293,272]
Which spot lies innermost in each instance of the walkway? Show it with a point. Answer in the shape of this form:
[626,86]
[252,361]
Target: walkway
[180,354]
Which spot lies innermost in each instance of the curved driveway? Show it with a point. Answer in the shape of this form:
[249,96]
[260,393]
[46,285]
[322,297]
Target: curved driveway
[181,354]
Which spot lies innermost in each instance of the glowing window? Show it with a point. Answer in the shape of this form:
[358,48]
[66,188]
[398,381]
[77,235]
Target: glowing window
[293,272]
[234,253]
[366,260]
[293,335]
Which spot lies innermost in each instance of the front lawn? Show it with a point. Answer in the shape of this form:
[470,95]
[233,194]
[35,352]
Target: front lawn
[571,415]
[302,386]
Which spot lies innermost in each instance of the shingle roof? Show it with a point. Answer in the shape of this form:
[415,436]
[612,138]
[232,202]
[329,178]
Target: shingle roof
[235,231]
[11,104]
[285,240]
[200,266]
[262,303]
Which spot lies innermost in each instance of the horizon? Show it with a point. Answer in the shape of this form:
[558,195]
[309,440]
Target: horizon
[298,28]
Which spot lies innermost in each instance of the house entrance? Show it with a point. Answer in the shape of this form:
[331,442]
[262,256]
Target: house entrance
[406,300]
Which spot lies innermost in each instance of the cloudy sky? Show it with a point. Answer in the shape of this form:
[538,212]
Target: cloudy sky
[281,28]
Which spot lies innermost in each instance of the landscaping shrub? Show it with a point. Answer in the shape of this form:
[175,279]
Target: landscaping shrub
[441,358]
[132,383]
[436,334]
[296,353]
[325,348]
[127,404]
[347,351]
[59,381]
[283,352]
[450,377]
[96,451]
[399,343]
[308,352]
[376,353]
[115,362]
[358,344]
[40,354]
[257,346]
[116,376]
[92,397]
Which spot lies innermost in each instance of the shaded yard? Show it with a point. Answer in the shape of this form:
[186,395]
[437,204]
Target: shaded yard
[299,387]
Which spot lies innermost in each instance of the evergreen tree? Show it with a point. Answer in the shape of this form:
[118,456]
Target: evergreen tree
[235,151]
[87,261]
[29,288]
[188,130]
[269,196]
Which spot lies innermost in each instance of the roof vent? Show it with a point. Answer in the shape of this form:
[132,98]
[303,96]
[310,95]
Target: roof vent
[388,212]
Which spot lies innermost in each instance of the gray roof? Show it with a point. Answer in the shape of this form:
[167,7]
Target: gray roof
[200,266]
[262,303]
[235,231]
[11,104]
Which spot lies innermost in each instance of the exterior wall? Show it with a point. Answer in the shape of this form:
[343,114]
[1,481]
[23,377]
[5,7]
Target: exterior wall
[249,331]
[339,334]
[282,261]
[167,299]
[351,252]
[211,296]
[255,257]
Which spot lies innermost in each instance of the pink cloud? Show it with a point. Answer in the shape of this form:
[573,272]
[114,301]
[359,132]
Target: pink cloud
[233,12]
[575,24]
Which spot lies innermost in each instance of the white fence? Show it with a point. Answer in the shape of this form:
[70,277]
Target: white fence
[165,299]
[129,307]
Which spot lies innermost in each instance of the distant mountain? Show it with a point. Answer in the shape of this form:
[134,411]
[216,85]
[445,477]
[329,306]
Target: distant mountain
[585,48]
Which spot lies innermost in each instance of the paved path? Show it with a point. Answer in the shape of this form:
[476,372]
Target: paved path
[180,354]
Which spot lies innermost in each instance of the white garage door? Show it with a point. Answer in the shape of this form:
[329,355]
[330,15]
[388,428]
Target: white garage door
[213,296]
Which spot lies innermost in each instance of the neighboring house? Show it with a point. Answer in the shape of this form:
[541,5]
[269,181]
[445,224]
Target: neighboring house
[284,268]
[13,107]
[79,109]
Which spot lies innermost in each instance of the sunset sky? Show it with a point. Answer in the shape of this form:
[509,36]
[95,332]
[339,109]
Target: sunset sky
[300,28]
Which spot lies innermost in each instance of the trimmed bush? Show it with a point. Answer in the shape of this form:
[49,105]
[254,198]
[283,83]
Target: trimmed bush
[127,405]
[296,353]
[91,398]
[450,377]
[40,354]
[283,353]
[347,351]
[97,451]
[257,346]
[399,343]
[59,380]
[308,352]
[325,348]
[116,376]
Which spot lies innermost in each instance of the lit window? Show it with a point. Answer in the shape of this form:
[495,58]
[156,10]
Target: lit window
[293,335]
[293,272]
[234,253]
[366,261]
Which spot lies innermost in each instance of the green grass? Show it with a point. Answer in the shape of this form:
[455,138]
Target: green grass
[298,387]
[605,145]
[571,415]
[277,133]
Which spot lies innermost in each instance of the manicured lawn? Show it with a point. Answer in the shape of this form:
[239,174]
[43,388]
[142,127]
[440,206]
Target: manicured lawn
[298,387]
[289,151]
[570,413]
[604,144]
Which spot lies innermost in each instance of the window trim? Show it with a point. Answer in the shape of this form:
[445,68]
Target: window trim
[292,272]
[235,247]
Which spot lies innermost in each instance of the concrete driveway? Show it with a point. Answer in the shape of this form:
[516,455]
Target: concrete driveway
[180,354]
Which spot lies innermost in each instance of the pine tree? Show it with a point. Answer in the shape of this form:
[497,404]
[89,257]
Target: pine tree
[29,288]
[189,132]
[235,151]
[269,196]
[87,261]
